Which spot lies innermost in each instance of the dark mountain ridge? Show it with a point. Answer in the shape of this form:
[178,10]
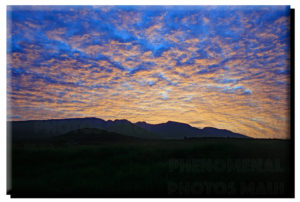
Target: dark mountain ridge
[56,127]
[168,130]
[177,130]
[171,129]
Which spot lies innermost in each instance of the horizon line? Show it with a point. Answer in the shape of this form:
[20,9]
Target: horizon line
[148,123]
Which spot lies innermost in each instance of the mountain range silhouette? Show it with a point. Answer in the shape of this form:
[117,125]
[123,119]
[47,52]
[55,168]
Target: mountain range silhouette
[35,129]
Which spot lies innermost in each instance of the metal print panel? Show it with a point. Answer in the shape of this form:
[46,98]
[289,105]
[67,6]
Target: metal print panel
[150,101]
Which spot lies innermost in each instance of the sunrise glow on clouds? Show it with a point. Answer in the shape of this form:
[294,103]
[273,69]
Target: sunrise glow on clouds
[219,66]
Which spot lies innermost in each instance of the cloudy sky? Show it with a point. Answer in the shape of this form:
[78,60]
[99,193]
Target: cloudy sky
[219,66]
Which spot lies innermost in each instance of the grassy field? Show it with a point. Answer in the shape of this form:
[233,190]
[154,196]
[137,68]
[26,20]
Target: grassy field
[169,168]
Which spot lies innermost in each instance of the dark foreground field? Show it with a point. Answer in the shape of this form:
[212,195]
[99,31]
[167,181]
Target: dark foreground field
[162,168]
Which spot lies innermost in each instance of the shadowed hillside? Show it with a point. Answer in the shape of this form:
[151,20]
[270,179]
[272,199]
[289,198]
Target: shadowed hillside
[176,130]
[91,136]
[50,128]
[171,130]
[94,162]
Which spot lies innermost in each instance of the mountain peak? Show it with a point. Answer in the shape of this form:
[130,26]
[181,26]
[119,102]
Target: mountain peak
[177,123]
[122,121]
[172,122]
[141,122]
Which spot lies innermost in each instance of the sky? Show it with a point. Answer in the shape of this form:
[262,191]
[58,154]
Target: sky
[209,66]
